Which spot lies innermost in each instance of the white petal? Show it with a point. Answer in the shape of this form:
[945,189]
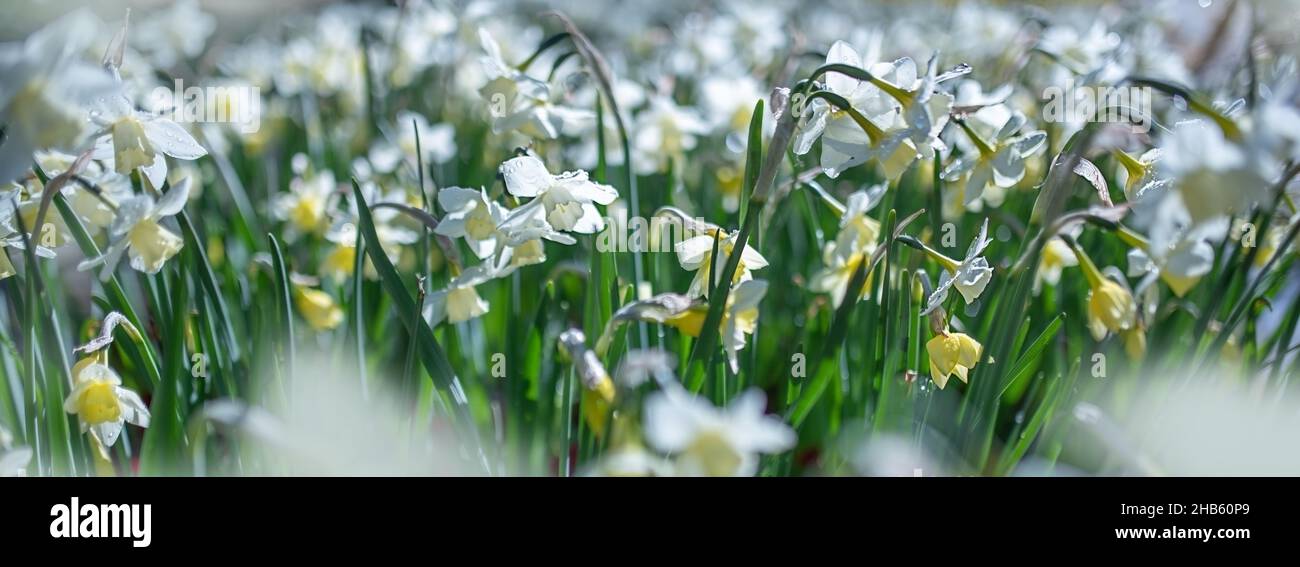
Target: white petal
[456,199]
[173,200]
[692,251]
[133,409]
[169,138]
[526,176]
[843,53]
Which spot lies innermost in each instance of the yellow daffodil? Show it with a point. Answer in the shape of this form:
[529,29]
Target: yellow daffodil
[101,403]
[304,206]
[318,308]
[137,230]
[1111,307]
[952,353]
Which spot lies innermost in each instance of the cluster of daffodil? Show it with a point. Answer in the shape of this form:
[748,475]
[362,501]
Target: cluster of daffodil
[463,141]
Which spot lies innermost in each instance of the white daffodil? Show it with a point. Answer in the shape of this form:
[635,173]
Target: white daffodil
[708,441]
[1000,162]
[96,207]
[1055,258]
[1179,251]
[925,111]
[131,139]
[459,302]
[13,458]
[665,131]
[741,318]
[517,101]
[1203,162]
[101,403]
[174,34]
[845,143]
[988,111]
[855,243]
[970,276]
[44,87]
[1140,176]
[137,229]
[306,203]
[520,239]
[11,238]
[437,143]
[472,216]
[569,198]
[696,254]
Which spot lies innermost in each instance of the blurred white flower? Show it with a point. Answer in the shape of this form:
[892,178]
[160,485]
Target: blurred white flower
[44,88]
[173,34]
[517,101]
[664,132]
[708,441]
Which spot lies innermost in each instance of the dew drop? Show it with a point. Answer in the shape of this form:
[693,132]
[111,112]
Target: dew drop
[1204,3]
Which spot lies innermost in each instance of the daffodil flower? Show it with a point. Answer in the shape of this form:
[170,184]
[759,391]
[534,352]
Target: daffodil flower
[970,276]
[599,391]
[131,139]
[855,243]
[1055,258]
[44,87]
[925,111]
[137,229]
[1140,176]
[318,308]
[11,238]
[569,198]
[665,131]
[1177,249]
[739,318]
[1202,161]
[459,302]
[1180,265]
[708,441]
[306,203]
[952,353]
[101,403]
[97,397]
[472,216]
[1111,308]
[846,142]
[696,254]
[1000,161]
[520,102]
